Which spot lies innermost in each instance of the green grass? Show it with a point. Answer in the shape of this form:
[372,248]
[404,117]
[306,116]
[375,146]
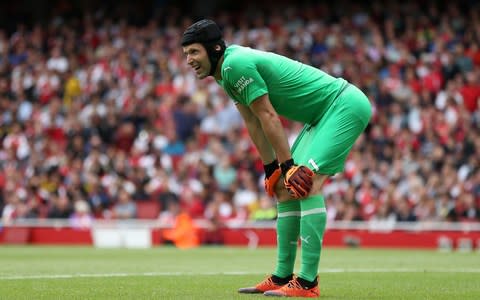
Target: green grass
[216,273]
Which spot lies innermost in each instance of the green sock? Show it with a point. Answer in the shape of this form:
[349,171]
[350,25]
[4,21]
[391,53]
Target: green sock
[288,228]
[312,227]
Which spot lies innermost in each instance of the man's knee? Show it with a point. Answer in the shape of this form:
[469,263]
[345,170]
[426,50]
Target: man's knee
[318,181]
[283,195]
[281,192]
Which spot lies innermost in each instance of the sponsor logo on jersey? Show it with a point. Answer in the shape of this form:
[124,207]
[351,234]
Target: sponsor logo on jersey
[242,83]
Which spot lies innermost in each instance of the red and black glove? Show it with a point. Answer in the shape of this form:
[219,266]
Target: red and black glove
[297,179]
[272,175]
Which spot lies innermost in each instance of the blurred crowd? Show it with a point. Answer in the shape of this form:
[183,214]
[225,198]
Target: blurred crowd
[98,116]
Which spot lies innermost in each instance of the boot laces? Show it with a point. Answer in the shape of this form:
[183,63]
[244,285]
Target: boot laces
[294,284]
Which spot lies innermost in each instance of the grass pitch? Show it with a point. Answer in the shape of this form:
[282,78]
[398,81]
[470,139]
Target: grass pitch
[217,272]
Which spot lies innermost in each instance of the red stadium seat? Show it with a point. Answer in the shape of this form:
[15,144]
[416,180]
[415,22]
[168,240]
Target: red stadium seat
[149,209]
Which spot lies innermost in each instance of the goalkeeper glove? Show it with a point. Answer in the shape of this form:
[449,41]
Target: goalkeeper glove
[297,179]
[272,175]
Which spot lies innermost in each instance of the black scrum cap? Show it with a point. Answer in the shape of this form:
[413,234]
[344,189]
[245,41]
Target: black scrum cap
[203,31]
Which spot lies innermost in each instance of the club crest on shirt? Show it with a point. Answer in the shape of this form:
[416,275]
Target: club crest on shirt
[242,83]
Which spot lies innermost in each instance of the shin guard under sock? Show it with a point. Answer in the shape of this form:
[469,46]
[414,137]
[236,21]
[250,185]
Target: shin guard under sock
[288,228]
[312,228]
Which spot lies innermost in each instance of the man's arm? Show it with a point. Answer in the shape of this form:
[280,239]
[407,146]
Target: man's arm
[256,133]
[272,127]
[267,132]
[297,179]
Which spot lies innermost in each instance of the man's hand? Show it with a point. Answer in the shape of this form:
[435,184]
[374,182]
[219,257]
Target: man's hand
[272,175]
[297,179]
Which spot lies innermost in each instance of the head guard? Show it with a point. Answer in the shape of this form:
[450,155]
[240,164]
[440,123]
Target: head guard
[207,33]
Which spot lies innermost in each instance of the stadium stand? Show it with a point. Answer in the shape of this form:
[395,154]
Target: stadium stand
[94,103]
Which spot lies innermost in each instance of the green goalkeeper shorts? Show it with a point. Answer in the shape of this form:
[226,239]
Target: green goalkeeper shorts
[324,146]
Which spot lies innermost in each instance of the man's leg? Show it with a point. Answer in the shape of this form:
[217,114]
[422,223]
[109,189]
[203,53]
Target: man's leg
[323,147]
[307,217]
[288,228]
[312,228]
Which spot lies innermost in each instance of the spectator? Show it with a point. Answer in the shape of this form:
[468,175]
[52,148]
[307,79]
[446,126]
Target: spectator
[265,210]
[184,233]
[61,208]
[124,207]
[81,217]
[403,211]
[224,173]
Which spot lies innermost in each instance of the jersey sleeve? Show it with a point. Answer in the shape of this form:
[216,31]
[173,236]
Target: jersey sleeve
[244,81]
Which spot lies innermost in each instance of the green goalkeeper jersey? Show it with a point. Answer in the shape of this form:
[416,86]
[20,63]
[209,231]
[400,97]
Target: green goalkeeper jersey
[297,91]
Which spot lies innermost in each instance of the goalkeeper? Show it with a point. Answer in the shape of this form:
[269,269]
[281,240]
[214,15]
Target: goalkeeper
[265,85]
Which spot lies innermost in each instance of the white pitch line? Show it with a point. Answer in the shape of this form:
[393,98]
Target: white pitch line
[147,274]
[399,270]
[150,274]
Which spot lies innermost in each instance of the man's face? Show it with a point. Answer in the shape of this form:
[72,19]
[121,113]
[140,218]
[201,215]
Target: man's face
[197,58]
